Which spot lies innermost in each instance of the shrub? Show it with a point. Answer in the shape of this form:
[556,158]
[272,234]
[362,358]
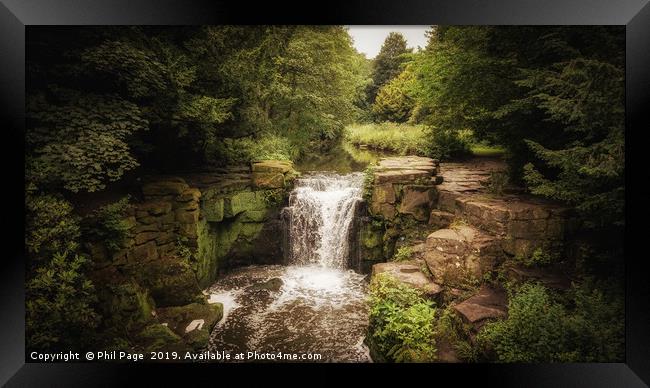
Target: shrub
[498,182]
[109,225]
[403,253]
[446,144]
[538,258]
[247,149]
[401,321]
[541,329]
[59,299]
[51,226]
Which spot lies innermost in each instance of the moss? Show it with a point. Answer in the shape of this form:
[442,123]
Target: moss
[156,337]
[126,304]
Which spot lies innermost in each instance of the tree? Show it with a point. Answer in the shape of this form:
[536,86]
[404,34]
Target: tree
[387,64]
[394,101]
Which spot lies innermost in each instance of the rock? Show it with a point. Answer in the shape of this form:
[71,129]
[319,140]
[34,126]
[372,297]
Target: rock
[142,238]
[243,201]
[460,257]
[277,166]
[189,195]
[417,201]
[440,219]
[159,337]
[171,282]
[408,273]
[143,253]
[154,208]
[383,193]
[169,186]
[268,180]
[555,277]
[213,209]
[187,217]
[400,176]
[273,284]
[200,319]
[488,303]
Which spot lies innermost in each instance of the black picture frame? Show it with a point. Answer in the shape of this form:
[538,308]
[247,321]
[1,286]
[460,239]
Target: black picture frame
[17,15]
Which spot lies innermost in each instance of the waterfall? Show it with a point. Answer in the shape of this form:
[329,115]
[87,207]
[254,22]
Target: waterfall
[320,214]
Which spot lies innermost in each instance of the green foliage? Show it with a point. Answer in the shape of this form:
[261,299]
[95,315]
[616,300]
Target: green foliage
[246,149]
[387,64]
[109,225]
[51,226]
[401,321]
[403,253]
[80,141]
[498,182]
[552,96]
[394,102]
[445,144]
[59,300]
[541,329]
[400,138]
[368,182]
[538,258]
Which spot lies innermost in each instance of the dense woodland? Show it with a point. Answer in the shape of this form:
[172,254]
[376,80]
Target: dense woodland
[109,104]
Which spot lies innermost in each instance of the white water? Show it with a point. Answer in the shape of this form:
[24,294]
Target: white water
[321,211]
[320,307]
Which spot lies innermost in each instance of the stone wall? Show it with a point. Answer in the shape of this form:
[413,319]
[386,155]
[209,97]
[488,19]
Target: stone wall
[184,231]
[402,194]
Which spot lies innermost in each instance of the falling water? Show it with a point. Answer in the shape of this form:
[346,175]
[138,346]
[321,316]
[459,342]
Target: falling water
[321,210]
[320,306]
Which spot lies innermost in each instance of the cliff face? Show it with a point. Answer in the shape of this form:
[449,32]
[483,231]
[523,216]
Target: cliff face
[185,231]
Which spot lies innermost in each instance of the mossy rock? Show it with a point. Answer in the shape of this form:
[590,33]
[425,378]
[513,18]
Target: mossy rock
[157,337]
[126,304]
[172,282]
[179,317]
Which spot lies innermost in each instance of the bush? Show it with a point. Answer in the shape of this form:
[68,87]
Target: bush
[403,253]
[247,149]
[447,144]
[59,299]
[108,225]
[541,329]
[51,226]
[498,182]
[401,321]
[538,258]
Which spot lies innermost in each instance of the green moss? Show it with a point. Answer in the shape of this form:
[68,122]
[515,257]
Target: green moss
[156,337]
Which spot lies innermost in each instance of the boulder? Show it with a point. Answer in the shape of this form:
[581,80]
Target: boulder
[488,303]
[158,337]
[171,282]
[409,273]
[417,201]
[182,321]
[276,166]
[459,257]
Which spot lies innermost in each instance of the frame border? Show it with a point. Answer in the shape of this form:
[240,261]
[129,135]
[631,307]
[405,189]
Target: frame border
[16,15]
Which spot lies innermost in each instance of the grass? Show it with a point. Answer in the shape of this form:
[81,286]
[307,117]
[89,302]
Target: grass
[486,150]
[404,139]
[399,138]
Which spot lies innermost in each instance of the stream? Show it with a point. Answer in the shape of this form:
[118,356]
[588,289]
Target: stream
[314,304]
